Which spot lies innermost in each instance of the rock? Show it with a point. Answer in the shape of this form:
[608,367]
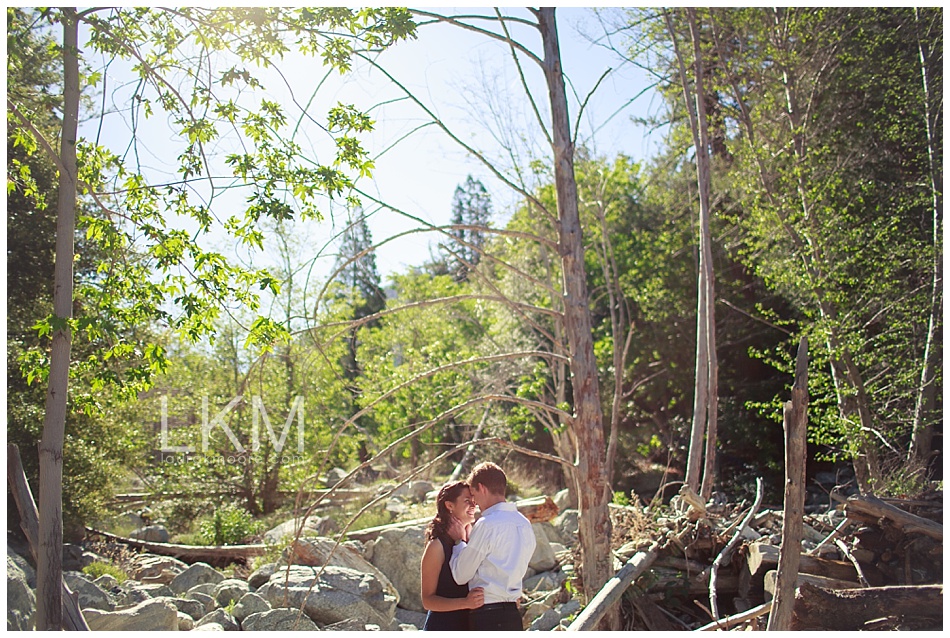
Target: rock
[149,568]
[419,489]
[229,590]
[335,475]
[204,599]
[211,626]
[195,574]
[91,596]
[21,601]
[279,620]
[543,558]
[185,622]
[314,526]
[545,581]
[546,621]
[566,524]
[313,552]
[153,590]
[129,595]
[73,560]
[194,608]
[351,624]
[564,500]
[408,617]
[336,594]
[203,588]
[24,566]
[398,554]
[219,617]
[396,506]
[261,575]
[107,582]
[150,615]
[569,608]
[250,603]
[151,534]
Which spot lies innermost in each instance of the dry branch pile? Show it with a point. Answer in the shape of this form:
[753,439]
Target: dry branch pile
[866,564]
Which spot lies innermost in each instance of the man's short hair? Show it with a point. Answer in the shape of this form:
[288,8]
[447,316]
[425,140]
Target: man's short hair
[489,475]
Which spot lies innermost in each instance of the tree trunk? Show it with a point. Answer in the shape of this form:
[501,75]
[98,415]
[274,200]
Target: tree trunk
[849,609]
[591,476]
[922,430]
[49,568]
[796,426]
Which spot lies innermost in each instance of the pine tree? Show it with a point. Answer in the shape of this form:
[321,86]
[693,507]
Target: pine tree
[471,208]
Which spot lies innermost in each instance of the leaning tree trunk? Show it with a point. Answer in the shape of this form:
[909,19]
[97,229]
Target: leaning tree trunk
[49,559]
[591,475]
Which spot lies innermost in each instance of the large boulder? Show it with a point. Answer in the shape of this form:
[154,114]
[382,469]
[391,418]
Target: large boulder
[261,575]
[21,601]
[195,574]
[149,568]
[151,534]
[279,620]
[314,552]
[332,595]
[91,596]
[228,591]
[249,604]
[398,554]
[150,615]
[219,617]
[313,526]
[543,557]
[567,526]
[24,566]
[192,608]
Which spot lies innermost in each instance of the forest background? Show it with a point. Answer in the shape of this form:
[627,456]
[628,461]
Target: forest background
[228,225]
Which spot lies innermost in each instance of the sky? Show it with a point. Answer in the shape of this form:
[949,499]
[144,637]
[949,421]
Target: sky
[470,82]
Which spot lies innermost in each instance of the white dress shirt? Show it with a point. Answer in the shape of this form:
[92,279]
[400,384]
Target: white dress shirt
[497,554]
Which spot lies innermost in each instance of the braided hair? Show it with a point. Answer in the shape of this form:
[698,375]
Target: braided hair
[439,525]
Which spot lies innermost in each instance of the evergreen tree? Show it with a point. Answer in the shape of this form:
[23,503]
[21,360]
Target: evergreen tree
[471,209]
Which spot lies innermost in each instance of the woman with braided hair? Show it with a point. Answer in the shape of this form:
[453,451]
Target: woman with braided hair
[448,602]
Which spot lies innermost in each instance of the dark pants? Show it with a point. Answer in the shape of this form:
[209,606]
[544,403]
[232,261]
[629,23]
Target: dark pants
[447,621]
[495,617]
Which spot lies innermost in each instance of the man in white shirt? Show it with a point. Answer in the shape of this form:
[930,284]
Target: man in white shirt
[495,554]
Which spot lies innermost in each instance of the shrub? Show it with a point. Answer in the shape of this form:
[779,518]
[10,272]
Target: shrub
[229,525]
[98,568]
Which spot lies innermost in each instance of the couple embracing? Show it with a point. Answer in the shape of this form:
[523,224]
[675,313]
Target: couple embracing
[472,570]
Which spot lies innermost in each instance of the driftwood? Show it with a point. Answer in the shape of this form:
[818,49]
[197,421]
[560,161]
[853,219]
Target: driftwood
[762,557]
[849,610]
[611,592]
[738,619]
[30,523]
[726,554]
[818,581]
[870,509]
[540,509]
[213,555]
[795,422]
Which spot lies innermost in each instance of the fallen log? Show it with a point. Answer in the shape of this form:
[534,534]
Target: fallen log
[870,509]
[762,557]
[848,610]
[30,523]
[610,593]
[540,509]
[818,581]
[216,555]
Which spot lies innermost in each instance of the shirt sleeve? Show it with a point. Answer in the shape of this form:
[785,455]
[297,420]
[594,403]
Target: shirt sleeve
[468,556]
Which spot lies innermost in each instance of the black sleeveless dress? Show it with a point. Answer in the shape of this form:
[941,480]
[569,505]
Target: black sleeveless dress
[447,587]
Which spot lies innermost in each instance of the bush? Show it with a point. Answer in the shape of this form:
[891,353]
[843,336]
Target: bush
[98,568]
[229,525]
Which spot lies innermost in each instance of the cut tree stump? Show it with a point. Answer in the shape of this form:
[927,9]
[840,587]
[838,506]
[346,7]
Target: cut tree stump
[849,610]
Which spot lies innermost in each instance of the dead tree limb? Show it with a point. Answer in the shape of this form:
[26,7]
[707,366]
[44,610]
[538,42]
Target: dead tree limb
[738,619]
[869,508]
[610,593]
[795,424]
[726,554]
[30,523]
[849,609]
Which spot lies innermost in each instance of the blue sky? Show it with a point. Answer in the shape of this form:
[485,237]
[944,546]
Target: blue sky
[470,82]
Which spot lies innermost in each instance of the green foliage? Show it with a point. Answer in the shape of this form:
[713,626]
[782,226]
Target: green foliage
[99,568]
[228,525]
[620,498]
